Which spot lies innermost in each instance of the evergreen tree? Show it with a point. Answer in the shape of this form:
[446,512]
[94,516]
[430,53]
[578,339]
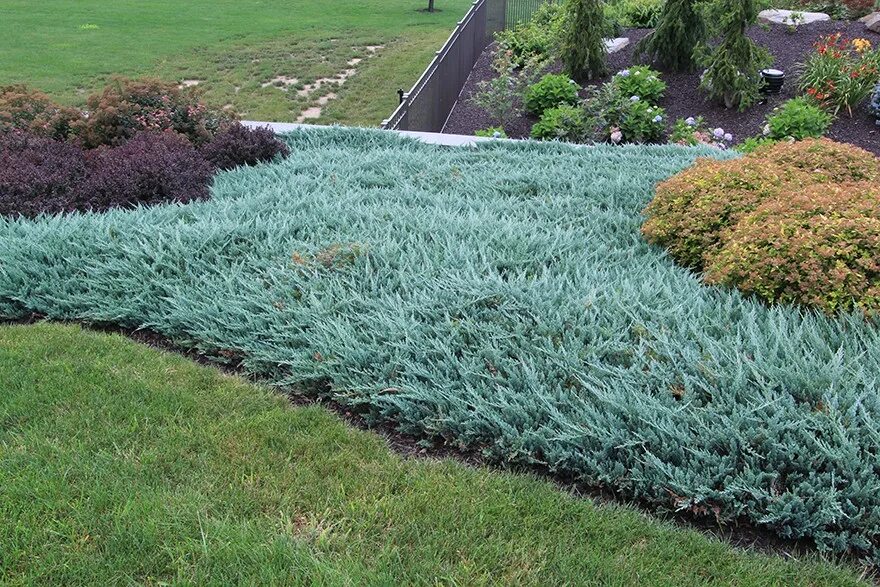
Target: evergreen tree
[733,68]
[583,50]
[677,35]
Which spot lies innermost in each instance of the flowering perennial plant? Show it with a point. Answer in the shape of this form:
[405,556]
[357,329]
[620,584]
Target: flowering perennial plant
[694,131]
[840,73]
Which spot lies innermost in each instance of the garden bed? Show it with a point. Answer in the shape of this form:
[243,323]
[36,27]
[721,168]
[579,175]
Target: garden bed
[684,98]
[497,299]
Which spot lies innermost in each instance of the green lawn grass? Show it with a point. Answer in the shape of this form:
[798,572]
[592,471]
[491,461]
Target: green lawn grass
[70,49]
[121,464]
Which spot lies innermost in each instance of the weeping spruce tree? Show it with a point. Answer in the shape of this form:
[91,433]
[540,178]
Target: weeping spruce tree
[733,68]
[678,33]
[583,50]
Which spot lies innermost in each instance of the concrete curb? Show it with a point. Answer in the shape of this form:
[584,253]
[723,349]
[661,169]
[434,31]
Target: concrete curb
[432,138]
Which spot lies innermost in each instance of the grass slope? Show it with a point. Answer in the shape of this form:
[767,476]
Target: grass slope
[121,464]
[500,299]
[69,49]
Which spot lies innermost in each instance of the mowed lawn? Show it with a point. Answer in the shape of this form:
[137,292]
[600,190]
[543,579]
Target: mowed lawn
[232,47]
[121,464]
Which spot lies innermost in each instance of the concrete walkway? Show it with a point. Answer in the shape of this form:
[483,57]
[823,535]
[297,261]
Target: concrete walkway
[433,138]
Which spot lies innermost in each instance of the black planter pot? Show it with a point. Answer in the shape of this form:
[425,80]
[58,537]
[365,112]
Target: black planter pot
[773,80]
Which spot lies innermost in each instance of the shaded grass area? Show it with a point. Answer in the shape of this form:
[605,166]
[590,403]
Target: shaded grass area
[120,463]
[71,49]
[499,299]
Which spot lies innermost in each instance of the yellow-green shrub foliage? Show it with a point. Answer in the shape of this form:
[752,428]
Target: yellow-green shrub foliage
[691,210]
[790,222]
[819,247]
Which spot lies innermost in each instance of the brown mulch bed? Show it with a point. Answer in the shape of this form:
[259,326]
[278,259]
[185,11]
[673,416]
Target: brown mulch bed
[684,98]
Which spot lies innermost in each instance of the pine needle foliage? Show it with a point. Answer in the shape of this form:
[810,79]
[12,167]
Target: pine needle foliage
[733,67]
[500,299]
[583,49]
[674,40]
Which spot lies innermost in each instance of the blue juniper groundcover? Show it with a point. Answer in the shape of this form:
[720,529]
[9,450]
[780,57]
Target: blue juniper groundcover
[500,299]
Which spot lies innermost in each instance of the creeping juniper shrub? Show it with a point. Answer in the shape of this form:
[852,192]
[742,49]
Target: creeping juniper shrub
[531,323]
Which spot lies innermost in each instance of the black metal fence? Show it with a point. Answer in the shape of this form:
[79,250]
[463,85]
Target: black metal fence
[428,104]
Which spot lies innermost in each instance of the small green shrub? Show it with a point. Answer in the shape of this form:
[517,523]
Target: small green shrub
[691,210]
[641,122]
[640,81]
[540,37]
[562,123]
[819,247]
[642,14]
[798,119]
[501,96]
[551,91]
[751,144]
[493,132]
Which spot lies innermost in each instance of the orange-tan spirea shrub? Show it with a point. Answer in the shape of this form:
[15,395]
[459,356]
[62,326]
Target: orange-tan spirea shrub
[791,222]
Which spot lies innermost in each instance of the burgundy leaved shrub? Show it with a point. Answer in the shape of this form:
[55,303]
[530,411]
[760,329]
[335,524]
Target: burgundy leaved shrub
[126,107]
[151,168]
[37,174]
[27,110]
[235,145]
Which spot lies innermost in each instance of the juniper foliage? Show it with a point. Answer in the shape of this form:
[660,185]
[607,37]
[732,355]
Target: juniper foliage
[583,50]
[500,299]
[733,67]
[678,33]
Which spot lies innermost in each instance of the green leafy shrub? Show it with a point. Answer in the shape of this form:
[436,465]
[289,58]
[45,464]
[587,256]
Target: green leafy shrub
[126,107]
[641,122]
[679,31]
[798,119]
[541,37]
[819,247]
[839,73]
[751,144]
[33,112]
[583,48]
[640,81]
[493,132]
[733,66]
[642,14]
[563,123]
[551,91]
[501,96]
[691,210]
